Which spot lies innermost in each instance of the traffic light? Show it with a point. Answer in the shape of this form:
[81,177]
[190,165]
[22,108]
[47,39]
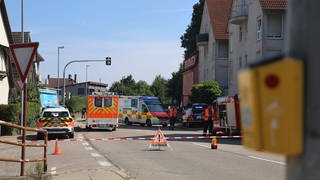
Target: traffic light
[108,61]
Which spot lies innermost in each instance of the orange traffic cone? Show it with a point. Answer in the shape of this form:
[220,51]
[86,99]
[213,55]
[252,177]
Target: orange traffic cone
[57,151]
[214,144]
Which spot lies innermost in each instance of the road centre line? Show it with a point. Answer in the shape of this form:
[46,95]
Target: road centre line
[262,159]
[201,145]
[253,157]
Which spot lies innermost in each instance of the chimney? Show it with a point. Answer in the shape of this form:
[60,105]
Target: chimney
[48,77]
[69,77]
[75,78]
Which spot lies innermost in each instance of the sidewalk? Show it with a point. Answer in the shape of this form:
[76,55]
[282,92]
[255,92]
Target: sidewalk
[75,163]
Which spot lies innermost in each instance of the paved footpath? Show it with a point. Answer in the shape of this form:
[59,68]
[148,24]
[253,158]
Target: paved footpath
[89,165]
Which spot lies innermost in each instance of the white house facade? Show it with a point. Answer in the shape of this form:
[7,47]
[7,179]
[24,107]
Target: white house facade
[213,43]
[256,30]
[4,58]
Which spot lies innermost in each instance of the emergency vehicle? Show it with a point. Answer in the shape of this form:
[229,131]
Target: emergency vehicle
[194,115]
[227,115]
[102,112]
[144,110]
[57,121]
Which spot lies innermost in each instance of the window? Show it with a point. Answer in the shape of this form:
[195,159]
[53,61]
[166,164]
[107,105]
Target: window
[245,63]
[107,102]
[240,33]
[275,26]
[144,108]
[81,91]
[222,49]
[98,102]
[205,51]
[259,29]
[134,103]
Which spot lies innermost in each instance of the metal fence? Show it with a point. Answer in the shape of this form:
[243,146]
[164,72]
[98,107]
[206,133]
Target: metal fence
[23,144]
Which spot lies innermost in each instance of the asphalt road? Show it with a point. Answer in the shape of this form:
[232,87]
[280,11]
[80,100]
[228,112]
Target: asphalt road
[184,159]
[89,157]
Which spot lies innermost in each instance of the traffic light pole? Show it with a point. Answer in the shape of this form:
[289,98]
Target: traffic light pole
[108,63]
[303,39]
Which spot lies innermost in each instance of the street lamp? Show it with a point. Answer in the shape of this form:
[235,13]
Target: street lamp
[87,79]
[59,47]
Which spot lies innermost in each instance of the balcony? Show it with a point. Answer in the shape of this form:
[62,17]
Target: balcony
[202,39]
[239,12]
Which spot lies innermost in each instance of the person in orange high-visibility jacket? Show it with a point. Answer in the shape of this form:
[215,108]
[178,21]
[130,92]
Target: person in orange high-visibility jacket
[173,116]
[208,120]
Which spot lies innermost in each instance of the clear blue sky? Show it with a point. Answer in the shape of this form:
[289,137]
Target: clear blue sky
[141,36]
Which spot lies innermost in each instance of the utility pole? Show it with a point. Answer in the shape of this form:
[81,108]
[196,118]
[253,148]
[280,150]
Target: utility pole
[303,42]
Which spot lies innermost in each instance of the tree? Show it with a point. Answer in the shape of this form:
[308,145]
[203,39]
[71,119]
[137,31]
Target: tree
[116,87]
[142,89]
[205,92]
[159,88]
[175,85]
[188,39]
[126,86]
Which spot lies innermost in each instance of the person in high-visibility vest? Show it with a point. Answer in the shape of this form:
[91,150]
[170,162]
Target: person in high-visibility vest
[173,116]
[208,120]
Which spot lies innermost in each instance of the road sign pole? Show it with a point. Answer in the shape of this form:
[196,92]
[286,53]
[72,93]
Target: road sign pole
[24,119]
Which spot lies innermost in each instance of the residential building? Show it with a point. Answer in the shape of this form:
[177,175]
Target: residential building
[190,77]
[86,88]
[54,82]
[5,40]
[256,30]
[213,42]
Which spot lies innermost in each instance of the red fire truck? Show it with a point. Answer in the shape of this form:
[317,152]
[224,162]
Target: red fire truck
[227,115]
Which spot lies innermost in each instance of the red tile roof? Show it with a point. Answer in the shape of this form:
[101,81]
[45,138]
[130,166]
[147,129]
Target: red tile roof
[273,4]
[219,11]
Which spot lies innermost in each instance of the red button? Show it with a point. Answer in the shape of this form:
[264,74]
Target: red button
[271,81]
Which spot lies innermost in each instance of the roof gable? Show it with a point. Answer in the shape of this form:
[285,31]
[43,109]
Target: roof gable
[219,11]
[273,4]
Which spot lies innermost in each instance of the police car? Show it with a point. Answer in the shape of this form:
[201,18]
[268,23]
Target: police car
[57,121]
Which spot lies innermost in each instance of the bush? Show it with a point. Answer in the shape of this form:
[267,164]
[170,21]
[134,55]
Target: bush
[205,92]
[12,114]
[33,110]
[9,113]
[76,103]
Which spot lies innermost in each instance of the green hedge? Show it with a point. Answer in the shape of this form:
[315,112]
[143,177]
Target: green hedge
[76,103]
[11,114]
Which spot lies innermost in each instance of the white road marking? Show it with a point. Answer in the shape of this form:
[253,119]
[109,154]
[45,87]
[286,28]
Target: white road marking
[88,148]
[262,159]
[53,170]
[104,163]
[95,155]
[201,145]
[85,144]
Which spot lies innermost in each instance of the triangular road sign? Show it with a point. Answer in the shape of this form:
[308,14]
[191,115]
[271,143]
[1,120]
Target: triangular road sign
[159,139]
[23,55]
